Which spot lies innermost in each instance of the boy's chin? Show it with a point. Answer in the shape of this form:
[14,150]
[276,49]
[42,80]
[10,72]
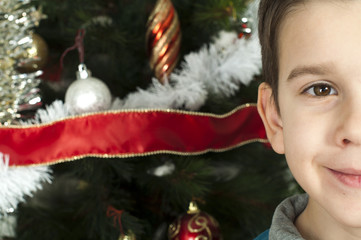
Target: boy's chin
[347,212]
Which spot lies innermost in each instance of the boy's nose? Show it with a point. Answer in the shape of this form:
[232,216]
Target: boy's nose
[348,130]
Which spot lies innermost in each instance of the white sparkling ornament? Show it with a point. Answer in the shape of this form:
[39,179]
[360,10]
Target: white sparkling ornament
[87,94]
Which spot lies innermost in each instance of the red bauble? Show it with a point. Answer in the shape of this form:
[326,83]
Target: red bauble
[195,225]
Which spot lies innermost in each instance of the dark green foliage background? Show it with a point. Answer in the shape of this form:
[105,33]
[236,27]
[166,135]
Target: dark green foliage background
[240,187]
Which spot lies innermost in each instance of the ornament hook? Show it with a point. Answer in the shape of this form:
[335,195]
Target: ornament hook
[78,44]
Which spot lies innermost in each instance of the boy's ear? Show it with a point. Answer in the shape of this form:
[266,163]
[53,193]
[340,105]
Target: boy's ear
[272,121]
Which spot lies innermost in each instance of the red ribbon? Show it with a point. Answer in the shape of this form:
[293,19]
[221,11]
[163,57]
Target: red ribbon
[116,214]
[130,133]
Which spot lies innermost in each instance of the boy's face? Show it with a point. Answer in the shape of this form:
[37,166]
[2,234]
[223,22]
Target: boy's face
[319,123]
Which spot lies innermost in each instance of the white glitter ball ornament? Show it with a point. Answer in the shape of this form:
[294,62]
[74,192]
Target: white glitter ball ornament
[87,94]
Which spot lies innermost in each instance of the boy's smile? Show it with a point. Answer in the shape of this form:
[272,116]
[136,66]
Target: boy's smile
[349,177]
[318,126]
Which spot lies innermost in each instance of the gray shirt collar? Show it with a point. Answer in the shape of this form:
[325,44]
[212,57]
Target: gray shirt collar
[283,227]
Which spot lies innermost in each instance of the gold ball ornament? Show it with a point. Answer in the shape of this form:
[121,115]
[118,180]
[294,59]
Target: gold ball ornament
[6,63]
[129,236]
[35,57]
[163,39]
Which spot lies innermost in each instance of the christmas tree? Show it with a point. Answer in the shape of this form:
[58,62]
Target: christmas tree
[166,78]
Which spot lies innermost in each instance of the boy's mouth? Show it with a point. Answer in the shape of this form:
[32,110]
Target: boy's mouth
[349,177]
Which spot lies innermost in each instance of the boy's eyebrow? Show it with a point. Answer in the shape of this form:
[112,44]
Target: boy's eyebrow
[320,69]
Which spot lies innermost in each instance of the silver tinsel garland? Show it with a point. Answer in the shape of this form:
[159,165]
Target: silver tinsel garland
[18,91]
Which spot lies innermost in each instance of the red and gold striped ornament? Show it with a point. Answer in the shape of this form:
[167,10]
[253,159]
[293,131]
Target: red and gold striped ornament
[163,39]
[195,224]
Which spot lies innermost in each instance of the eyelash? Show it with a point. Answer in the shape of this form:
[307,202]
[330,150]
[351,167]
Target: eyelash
[312,90]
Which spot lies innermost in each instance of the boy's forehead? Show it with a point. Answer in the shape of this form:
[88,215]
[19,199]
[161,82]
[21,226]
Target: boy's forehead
[317,32]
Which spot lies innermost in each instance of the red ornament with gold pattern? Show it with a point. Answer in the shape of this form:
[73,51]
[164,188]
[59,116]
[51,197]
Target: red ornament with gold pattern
[163,39]
[195,225]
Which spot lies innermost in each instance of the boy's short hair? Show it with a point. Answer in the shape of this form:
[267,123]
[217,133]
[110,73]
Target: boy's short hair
[270,16]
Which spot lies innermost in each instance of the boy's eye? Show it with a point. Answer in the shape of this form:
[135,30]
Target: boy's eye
[321,90]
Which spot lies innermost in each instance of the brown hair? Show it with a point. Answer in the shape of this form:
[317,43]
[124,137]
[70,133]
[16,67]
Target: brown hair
[271,13]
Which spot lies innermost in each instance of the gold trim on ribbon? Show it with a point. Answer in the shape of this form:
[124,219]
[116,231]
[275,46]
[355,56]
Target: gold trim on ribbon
[155,110]
[152,153]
